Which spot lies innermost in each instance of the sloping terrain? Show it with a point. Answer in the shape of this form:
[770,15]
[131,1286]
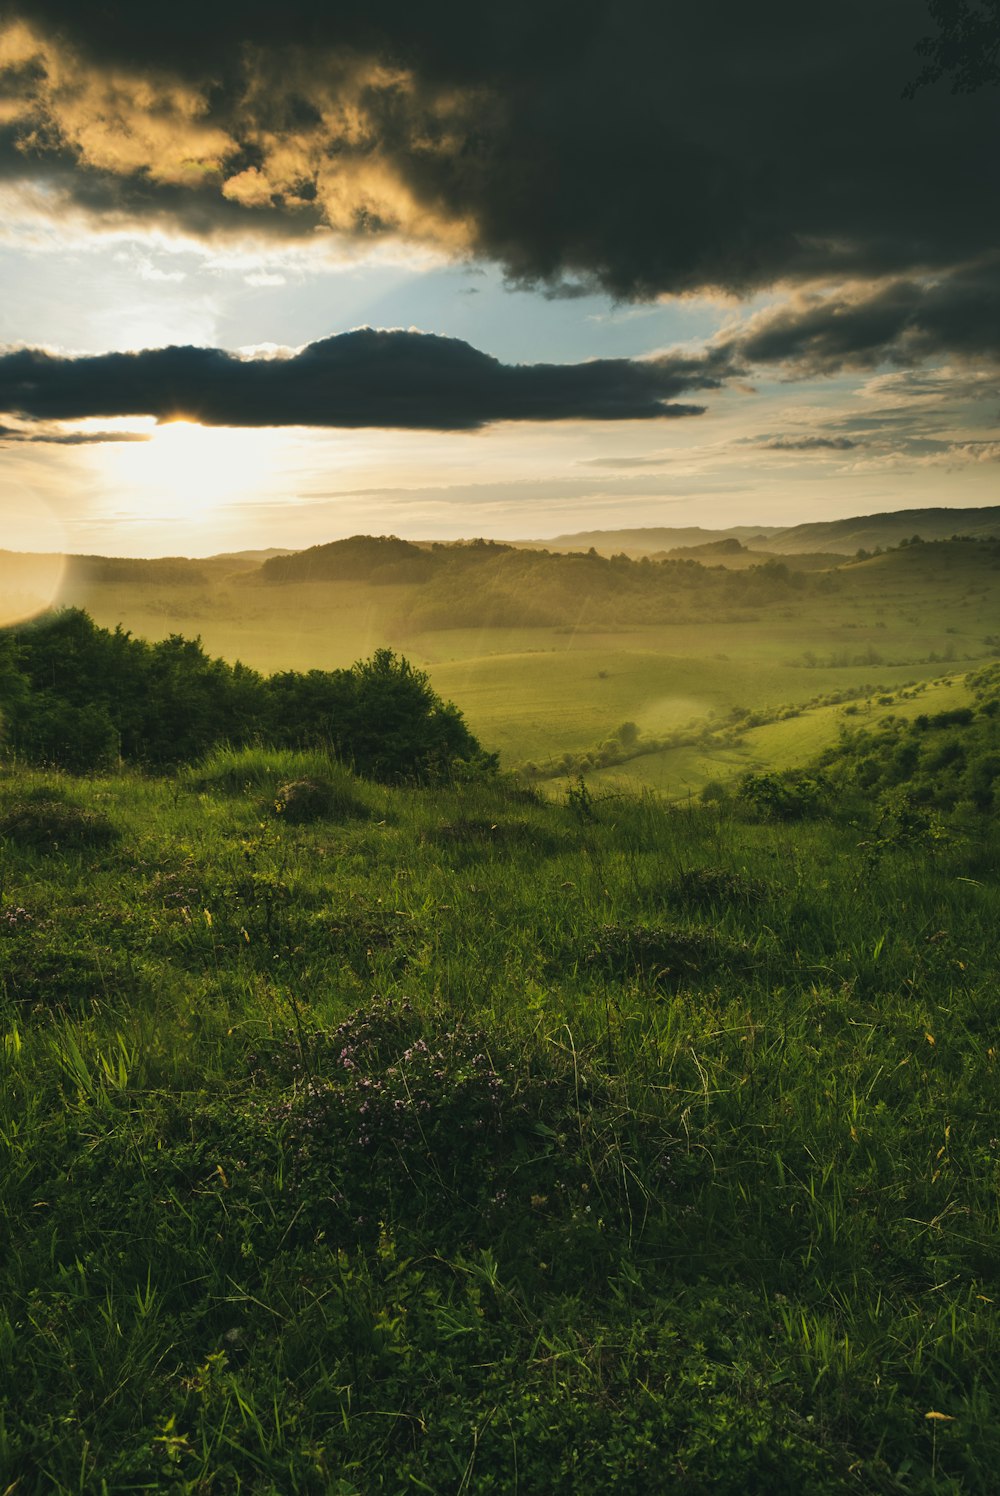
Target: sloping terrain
[384,1145]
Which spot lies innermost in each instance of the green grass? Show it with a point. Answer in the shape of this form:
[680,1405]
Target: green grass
[788,742]
[481,1144]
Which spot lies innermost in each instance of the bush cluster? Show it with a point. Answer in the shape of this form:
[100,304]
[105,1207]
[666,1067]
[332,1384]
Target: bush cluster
[945,760]
[81,698]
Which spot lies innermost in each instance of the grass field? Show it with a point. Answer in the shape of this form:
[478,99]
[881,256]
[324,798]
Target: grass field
[783,744]
[459,1142]
[357,1139]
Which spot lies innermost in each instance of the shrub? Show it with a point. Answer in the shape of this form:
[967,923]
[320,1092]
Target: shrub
[76,695]
[395,728]
[794,796]
[57,733]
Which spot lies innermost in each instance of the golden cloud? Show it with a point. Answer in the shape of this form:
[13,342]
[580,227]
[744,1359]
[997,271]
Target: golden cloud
[336,136]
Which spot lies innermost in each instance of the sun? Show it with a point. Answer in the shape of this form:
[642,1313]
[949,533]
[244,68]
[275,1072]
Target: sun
[185,476]
[194,470]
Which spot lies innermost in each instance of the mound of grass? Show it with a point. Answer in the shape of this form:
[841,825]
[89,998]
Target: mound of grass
[49,822]
[41,972]
[715,887]
[357,935]
[301,786]
[254,771]
[469,1136]
[662,956]
[303,801]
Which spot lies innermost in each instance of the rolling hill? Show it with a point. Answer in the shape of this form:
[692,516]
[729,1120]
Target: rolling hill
[843,536]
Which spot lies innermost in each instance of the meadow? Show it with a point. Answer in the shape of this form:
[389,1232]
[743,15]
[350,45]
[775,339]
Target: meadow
[448,1139]
[433,1128]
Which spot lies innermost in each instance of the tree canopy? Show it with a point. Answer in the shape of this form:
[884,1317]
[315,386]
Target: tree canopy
[80,697]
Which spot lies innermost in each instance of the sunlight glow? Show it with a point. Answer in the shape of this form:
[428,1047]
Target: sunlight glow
[186,473]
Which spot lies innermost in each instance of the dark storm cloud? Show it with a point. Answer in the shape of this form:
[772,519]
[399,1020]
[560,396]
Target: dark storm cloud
[901,321]
[643,147]
[361,378]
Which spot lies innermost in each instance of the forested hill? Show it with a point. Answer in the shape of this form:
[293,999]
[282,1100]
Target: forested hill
[484,584]
[362,558]
[647,540]
[865,533]
[842,536]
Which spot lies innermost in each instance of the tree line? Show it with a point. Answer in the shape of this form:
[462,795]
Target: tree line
[83,698]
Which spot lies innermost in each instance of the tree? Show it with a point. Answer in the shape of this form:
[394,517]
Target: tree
[397,728]
[966,48]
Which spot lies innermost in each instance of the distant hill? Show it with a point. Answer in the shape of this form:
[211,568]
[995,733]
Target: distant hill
[645,541]
[730,546]
[735,556]
[254,558]
[362,558]
[171,571]
[846,536]
[842,537]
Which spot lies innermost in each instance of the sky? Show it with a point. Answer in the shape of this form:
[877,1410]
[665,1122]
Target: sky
[274,275]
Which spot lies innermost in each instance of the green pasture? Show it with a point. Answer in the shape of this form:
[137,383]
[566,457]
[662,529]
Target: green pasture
[457,1142]
[784,744]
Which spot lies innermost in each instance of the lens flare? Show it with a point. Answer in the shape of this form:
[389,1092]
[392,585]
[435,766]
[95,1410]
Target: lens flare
[32,559]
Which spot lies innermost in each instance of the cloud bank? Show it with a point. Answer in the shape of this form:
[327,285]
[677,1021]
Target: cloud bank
[363,378]
[636,146]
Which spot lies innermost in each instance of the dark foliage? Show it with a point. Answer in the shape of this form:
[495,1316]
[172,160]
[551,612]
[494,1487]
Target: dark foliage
[81,697]
[792,796]
[944,761]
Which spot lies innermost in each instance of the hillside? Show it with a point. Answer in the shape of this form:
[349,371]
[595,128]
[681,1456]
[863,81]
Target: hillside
[736,556]
[374,1146]
[483,583]
[550,655]
[842,537]
[644,541]
[850,535]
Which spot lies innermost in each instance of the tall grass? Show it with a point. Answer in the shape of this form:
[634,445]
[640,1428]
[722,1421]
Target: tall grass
[335,1159]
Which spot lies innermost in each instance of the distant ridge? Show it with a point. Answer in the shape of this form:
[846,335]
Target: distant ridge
[643,542]
[865,532]
[255,558]
[840,536]
[387,558]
